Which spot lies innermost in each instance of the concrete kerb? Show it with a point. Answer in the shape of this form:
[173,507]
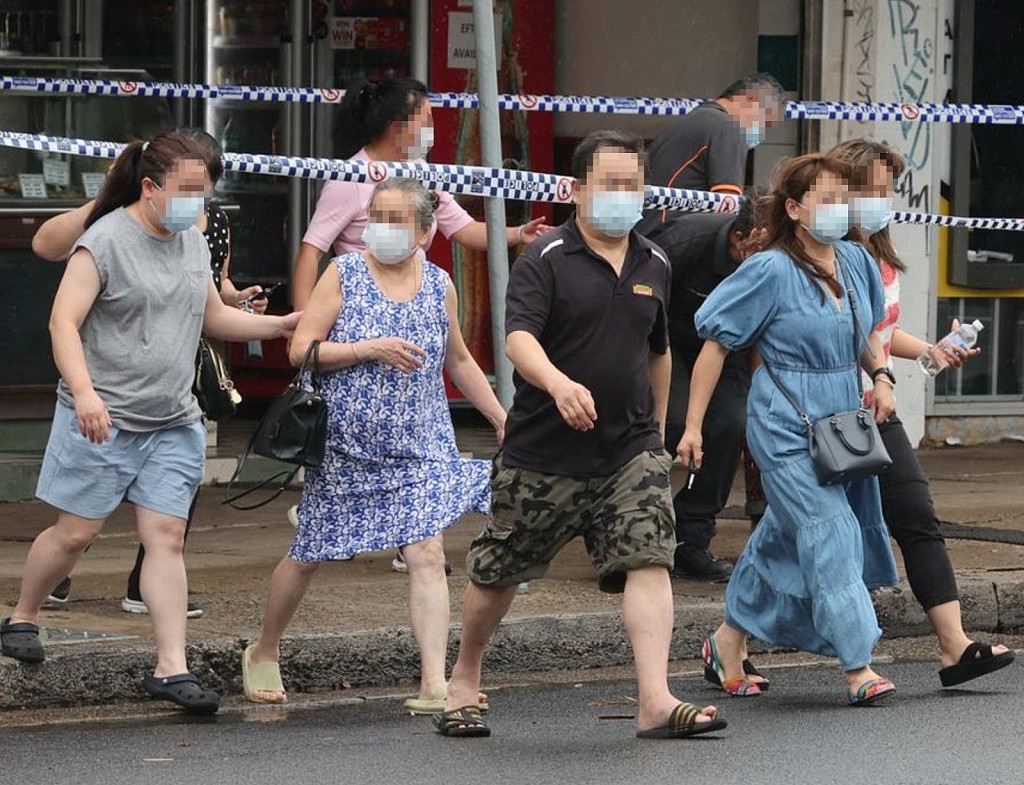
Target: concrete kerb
[110,673]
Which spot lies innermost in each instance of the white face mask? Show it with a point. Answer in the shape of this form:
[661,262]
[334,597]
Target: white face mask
[424,142]
[389,243]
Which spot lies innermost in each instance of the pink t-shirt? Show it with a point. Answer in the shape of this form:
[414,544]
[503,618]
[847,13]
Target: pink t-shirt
[340,215]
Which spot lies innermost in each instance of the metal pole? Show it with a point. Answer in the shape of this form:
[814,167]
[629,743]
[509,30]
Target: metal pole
[420,39]
[494,207]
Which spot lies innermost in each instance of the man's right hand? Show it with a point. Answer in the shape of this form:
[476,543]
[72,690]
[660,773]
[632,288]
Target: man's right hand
[575,404]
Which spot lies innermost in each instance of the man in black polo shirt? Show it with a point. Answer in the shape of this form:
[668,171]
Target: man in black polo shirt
[706,149]
[704,248]
[583,453]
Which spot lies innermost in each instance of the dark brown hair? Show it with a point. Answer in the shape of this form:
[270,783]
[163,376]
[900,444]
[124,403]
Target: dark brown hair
[792,179]
[138,161]
[861,154]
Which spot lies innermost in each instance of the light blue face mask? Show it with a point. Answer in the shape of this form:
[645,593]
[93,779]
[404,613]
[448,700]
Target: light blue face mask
[754,134]
[871,213]
[614,213]
[829,222]
[389,243]
[181,212]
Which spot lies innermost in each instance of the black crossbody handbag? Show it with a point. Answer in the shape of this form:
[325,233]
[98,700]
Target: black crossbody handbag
[294,430]
[212,386]
[847,445]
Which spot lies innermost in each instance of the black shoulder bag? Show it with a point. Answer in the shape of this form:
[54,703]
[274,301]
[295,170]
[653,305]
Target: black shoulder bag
[294,430]
[212,386]
[847,445]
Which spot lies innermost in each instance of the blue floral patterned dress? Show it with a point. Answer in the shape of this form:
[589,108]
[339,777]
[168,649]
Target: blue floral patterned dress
[392,474]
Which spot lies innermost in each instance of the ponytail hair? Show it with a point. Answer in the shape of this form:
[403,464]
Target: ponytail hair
[368,108]
[138,161]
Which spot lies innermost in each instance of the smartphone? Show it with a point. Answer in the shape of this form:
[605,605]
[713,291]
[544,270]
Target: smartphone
[261,295]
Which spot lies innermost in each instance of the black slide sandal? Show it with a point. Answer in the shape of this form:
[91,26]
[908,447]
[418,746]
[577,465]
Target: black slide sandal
[183,690]
[682,724]
[461,723]
[748,668]
[21,642]
[977,660]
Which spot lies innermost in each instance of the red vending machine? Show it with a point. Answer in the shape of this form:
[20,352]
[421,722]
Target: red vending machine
[525,32]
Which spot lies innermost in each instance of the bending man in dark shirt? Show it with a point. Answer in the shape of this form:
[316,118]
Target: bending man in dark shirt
[583,454]
[703,249]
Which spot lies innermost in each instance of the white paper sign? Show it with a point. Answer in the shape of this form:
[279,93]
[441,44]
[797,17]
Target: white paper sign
[33,186]
[57,172]
[462,43]
[92,182]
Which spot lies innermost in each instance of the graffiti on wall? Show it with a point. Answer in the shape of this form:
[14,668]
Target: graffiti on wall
[913,65]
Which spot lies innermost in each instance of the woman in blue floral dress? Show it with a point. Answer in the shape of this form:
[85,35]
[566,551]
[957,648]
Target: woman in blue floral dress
[392,475]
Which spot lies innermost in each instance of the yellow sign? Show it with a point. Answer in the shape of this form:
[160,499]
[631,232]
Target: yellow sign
[644,289]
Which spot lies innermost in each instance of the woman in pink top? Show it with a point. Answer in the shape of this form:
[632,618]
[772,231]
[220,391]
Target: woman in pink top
[385,121]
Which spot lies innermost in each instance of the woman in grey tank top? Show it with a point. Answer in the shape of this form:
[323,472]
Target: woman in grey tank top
[135,297]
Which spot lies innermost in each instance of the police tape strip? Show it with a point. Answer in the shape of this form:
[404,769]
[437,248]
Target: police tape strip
[985,114]
[469,180]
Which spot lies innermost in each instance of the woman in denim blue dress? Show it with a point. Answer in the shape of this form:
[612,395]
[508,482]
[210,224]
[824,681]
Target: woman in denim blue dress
[803,579]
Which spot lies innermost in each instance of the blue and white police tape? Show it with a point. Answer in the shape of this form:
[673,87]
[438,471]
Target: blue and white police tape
[985,114]
[468,180]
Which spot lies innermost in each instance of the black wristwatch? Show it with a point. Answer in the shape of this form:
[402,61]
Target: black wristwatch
[884,370]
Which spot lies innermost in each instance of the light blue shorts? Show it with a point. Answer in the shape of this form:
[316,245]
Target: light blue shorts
[159,470]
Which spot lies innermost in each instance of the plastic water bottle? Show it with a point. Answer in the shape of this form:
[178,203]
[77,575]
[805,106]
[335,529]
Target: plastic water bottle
[933,361]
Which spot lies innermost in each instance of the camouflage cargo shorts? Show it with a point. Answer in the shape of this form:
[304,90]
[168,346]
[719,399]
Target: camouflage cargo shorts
[626,520]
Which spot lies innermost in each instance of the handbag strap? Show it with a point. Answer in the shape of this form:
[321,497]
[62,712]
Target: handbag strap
[857,330]
[312,351]
[286,475]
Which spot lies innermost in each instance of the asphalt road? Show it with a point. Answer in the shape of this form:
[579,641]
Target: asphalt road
[800,732]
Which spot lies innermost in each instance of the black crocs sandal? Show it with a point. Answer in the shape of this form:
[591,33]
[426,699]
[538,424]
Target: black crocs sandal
[21,641]
[461,723]
[748,668]
[977,660]
[184,690]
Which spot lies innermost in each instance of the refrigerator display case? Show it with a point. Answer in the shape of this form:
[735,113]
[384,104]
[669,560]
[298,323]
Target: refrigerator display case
[249,43]
[34,186]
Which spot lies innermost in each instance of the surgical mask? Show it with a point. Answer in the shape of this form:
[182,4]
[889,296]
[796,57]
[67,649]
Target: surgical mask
[754,134]
[829,222]
[180,212]
[424,142]
[615,212]
[389,243]
[871,213]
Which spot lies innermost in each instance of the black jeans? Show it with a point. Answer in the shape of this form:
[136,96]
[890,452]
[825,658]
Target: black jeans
[910,516]
[134,591]
[724,426]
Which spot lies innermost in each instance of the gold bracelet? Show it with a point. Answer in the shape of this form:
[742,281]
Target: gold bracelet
[885,380]
[355,356]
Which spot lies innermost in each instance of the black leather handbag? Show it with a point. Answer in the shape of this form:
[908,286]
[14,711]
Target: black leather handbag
[847,445]
[212,386]
[294,430]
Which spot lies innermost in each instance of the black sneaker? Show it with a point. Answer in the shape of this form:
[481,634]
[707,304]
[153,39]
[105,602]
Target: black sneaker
[59,596]
[700,564]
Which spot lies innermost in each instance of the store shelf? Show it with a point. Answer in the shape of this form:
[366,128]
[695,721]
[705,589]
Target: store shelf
[247,42]
[231,189]
[229,105]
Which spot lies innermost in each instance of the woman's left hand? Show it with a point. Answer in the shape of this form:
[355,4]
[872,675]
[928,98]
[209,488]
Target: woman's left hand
[529,232]
[883,401]
[956,356]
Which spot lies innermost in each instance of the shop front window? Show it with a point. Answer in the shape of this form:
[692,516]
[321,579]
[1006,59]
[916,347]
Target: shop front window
[997,374]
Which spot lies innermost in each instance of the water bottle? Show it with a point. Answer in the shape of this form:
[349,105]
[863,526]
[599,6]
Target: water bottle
[933,360]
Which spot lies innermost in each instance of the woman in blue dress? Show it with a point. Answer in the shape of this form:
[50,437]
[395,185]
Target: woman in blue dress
[803,579]
[392,475]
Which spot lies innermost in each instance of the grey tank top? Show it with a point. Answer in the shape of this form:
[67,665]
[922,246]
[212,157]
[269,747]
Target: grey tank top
[141,334]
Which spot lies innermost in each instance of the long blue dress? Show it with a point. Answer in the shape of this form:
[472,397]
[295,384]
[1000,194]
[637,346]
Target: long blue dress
[392,473]
[802,580]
